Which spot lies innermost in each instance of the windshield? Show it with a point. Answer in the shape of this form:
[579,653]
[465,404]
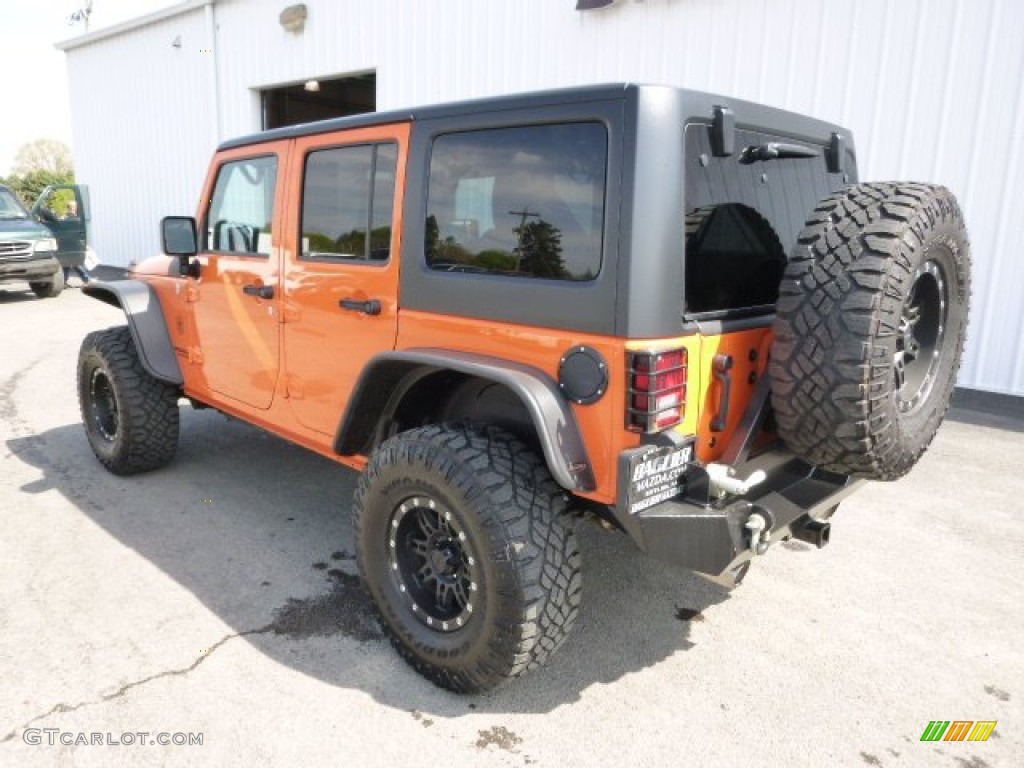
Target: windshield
[10,205]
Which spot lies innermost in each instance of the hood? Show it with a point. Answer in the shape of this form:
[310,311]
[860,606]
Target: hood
[22,229]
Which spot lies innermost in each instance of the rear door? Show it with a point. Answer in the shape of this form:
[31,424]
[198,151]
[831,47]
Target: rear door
[238,297]
[341,267]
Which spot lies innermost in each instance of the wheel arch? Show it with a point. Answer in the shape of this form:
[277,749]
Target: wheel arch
[147,324]
[394,380]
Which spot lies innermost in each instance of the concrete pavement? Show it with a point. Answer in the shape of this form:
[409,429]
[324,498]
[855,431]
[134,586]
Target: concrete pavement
[217,597]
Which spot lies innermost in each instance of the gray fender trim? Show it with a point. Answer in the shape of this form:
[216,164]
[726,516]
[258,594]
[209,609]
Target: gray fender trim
[146,321]
[552,416]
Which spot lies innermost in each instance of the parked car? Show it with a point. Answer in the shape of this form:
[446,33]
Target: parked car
[40,245]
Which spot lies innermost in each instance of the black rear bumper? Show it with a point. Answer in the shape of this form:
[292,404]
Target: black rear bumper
[711,536]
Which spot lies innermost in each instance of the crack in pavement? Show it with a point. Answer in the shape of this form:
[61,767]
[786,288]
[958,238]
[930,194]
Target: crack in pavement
[8,408]
[345,609]
[26,445]
[32,445]
[61,707]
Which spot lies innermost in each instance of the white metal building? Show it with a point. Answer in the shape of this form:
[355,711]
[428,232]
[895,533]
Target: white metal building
[933,90]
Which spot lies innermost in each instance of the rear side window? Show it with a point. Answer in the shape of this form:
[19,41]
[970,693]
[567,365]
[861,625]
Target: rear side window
[242,209]
[348,198]
[521,202]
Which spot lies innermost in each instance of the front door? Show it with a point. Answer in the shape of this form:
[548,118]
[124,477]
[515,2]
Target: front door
[237,300]
[341,270]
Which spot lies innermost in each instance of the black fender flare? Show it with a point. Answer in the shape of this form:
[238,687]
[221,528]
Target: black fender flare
[386,375]
[146,322]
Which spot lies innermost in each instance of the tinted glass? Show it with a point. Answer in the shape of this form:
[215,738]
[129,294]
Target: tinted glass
[382,202]
[242,210]
[349,192]
[743,218]
[523,202]
[734,259]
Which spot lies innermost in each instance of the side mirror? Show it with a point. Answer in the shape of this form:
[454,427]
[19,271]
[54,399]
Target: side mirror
[178,235]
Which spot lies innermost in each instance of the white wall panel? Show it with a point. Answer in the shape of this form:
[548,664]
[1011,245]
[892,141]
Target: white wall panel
[140,131]
[932,89]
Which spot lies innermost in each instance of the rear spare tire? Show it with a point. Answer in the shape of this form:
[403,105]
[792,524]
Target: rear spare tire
[870,328]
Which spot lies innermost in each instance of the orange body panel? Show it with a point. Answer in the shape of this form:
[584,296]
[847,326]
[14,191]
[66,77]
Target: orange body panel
[237,339]
[326,347]
[602,423]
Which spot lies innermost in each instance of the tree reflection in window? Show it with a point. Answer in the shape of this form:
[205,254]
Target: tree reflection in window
[347,202]
[525,201]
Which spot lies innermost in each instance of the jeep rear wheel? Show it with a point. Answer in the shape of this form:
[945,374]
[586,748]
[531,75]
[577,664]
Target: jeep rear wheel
[462,545]
[870,328]
[130,418]
[49,289]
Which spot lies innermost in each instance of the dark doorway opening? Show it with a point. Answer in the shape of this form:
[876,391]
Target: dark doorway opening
[319,100]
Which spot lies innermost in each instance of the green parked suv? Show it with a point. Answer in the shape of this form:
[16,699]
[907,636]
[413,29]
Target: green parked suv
[37,246]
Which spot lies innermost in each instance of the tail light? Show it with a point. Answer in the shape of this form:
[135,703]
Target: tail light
[657,390]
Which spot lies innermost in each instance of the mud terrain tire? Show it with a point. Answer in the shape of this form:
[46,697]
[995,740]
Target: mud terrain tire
[130,418]
[870,328]
[462,544]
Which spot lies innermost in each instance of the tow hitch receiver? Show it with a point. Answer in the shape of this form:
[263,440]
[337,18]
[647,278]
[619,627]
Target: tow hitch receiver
[816,532]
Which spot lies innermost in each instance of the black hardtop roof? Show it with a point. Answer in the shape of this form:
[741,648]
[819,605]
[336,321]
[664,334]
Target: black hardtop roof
[692,102]
[491,104]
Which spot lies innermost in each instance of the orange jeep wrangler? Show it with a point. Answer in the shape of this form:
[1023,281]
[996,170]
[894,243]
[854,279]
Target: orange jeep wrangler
[676,312]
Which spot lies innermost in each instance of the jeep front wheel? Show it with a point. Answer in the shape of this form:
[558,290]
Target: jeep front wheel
[462,545]
[130,418]
[870,328]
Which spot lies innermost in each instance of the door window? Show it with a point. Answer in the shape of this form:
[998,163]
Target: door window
[347,200]
[242,209]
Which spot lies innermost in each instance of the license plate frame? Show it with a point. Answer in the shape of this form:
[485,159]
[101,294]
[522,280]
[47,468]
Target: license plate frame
[656,474]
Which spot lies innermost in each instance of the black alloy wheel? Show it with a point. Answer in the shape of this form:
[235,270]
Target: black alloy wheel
[433,563]
[919,341]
